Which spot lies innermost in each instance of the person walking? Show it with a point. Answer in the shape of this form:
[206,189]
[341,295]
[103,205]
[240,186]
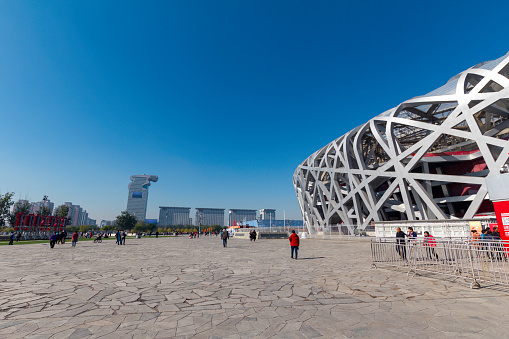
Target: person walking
[74,239]
[157,234]
[52,240]
[294,244]
[11,238]
[430,243]
[254,236]
[123,238]
[64,236]
[18,237]
[225,236]
[400,243]
[489,241]
[119,238]
[412,235]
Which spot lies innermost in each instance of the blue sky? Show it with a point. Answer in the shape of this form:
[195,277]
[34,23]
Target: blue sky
[221,99]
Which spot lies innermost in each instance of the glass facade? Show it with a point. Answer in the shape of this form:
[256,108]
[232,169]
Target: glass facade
[240,216]
[209,216]
[174,216]
[138,195]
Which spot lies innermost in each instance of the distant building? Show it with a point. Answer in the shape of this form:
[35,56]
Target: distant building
[19,203]
[173,216]
[240,216]
[106,223]
[209,216]
[36,206]
[77,215]
[267,214]
[274,223]
[138,195]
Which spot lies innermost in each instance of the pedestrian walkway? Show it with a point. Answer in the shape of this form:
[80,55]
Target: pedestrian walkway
[195,288]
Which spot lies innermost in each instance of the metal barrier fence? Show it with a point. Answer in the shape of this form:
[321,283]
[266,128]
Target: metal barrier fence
[477,261]
[340,231]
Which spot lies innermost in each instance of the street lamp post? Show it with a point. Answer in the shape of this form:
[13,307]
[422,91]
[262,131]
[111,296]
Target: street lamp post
[284,220]
[199,223]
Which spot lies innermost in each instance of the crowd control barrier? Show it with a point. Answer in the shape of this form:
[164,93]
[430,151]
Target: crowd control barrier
[477,261]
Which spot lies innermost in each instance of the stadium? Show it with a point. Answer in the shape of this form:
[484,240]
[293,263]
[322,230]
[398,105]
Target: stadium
[426,159]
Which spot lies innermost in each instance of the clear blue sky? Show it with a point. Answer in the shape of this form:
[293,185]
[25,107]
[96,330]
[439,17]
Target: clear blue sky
[221,99]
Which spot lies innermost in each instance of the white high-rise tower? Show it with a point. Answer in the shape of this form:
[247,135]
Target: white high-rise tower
[138,195]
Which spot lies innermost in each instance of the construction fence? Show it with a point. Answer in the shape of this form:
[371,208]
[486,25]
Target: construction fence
[476,261]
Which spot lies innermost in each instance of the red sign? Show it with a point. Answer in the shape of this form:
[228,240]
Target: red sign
[31,222]
[502,212]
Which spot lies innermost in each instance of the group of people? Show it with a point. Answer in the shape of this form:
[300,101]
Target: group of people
[252,235]
[194,235]
[58,237]
[14,235]
[488,241]
[294,241]
[120,236]
[487,234]
[429,242]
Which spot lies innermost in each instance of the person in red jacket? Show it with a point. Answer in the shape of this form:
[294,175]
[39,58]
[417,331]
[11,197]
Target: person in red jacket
[430,243]
[294,243]
[74,239]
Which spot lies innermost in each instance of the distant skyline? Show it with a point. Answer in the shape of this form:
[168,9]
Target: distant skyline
[214,97]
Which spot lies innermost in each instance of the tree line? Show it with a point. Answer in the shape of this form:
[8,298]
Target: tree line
[9,218]
[127,221]
[124,221]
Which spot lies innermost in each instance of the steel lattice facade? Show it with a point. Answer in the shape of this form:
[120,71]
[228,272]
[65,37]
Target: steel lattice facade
[427,158]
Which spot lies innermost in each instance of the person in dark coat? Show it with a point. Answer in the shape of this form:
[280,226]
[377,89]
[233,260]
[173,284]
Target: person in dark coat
[225,236]
[400,243]
[294,244]
[53,240]
[489,241]
[11,238]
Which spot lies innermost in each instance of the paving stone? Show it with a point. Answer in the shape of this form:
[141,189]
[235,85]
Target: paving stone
[204,291]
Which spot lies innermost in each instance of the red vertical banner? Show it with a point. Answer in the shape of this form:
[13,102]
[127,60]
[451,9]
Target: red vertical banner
[502,213]
[19,218]
[40,227]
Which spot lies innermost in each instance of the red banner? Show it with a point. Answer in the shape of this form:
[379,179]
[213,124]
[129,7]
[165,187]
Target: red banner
[37,223]
[502,212]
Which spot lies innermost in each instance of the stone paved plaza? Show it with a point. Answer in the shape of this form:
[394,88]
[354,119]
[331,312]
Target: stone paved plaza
[194,288]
